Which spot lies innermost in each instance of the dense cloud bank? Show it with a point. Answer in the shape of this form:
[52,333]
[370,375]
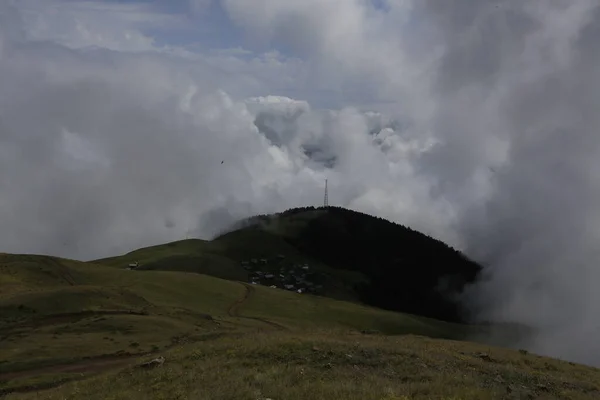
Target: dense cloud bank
[475,122]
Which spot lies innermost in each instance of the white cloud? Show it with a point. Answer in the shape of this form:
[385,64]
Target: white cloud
[113,26]
[474,122]
[152,131]
[201,6]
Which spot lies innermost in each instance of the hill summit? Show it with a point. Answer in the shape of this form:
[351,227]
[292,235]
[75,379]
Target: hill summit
[400,269]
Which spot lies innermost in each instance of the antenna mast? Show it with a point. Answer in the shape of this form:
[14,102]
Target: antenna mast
[326,200]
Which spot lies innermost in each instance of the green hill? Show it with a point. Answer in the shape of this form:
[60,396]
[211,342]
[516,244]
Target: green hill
[71,330]
[351,256]
[57,311]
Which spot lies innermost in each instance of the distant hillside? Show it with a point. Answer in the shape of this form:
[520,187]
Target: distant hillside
[405,270]
[352,256]
[62,319]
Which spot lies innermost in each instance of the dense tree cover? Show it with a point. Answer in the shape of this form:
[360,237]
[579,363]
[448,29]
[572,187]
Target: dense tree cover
[407,270]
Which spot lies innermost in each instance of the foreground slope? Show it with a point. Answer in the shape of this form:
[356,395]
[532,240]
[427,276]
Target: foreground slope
[353,256]
[336,366]
[57,313]
[71,330]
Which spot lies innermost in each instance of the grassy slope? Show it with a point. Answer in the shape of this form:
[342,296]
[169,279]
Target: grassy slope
[60,311]
[328,365]
[192,255]
[356,256]
[314,312]
[221,258]
[64,320]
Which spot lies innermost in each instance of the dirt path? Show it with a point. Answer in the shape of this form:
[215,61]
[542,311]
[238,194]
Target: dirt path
[266,321]
[66,318]
[233,310]
[63,271]
[96,365]
[89,365]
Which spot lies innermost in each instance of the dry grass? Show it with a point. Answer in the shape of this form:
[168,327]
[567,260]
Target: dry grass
[337,365]
[63,323]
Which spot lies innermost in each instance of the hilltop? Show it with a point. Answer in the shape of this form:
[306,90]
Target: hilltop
[345,254]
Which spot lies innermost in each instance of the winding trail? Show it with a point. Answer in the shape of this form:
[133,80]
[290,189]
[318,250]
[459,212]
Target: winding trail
[91,365]
[87,365]
[66,318]
[233,310]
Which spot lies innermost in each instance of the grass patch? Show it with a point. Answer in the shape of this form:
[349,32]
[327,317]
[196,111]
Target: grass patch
[315,312]
[319,365]
[90,325]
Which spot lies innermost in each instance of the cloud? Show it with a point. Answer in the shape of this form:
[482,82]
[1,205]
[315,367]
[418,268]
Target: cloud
[111,149]
[516,91]
[475,123]
[114,26]
[201,6]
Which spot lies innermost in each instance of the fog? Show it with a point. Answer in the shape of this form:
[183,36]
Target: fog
[124,125]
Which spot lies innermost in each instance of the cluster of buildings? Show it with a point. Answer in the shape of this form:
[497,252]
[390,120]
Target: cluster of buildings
[277,273]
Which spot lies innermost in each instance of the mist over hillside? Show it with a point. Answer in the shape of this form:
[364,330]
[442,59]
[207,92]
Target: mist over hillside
[129,124]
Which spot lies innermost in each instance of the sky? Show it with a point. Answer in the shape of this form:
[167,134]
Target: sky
[131,123]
